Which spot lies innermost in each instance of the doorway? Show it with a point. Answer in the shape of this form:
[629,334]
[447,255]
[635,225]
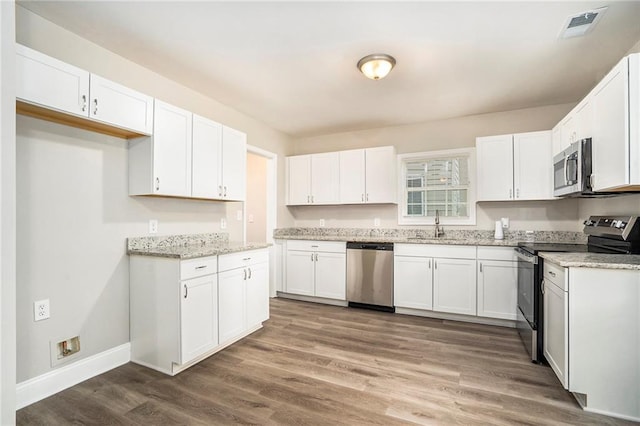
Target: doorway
[260,206]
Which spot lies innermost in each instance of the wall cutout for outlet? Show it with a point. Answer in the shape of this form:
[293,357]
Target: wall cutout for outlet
[65,349]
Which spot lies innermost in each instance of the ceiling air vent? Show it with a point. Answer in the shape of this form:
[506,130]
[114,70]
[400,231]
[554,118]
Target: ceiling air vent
[578,25]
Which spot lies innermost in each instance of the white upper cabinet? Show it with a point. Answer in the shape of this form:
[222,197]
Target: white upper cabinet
[514,167]
[188,156]
[53,84]
[171,151]
[352,176]
[614,155]
[234,164]
[381,177]
[206,158]
[313,179]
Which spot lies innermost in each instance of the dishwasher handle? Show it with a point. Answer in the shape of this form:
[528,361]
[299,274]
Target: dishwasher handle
[370,246]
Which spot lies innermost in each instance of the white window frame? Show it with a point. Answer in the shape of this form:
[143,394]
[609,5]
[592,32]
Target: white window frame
[430,220]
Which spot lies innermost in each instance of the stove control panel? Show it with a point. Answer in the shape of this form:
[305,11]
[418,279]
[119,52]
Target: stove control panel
[618,227]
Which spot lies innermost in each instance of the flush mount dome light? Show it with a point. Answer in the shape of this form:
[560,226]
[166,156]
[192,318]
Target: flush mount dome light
[376,66]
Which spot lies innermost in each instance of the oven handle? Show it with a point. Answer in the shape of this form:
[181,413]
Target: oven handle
[527,257]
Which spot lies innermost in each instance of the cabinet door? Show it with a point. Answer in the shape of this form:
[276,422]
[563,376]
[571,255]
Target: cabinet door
[454,286]
[533,168]
[584,119]
[352,176]
[257,294]
[120,106]
[51,83]
[555,324]
[234,164]
[556,140]
[569,130]
[331,275]
[206,158]
[381,179]
[610,143]
[497,289]
[495,168]
[198,317]
[300,272]
[413,282]
[325,178]
[299,179]
[231,304]
[171,151]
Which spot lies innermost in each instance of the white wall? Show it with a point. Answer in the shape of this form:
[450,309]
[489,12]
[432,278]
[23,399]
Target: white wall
[437,135]
[256,204]
[75,213]
[7,216]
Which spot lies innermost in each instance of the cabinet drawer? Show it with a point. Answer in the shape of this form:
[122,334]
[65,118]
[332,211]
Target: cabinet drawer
[497,253]
[556,274]
[227,262]
[433,250]
[198,267]
[321,246]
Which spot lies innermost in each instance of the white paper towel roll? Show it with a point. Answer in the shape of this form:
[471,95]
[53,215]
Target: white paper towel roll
[499,234]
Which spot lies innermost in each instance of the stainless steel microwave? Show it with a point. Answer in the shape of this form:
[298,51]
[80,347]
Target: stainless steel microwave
[572,170]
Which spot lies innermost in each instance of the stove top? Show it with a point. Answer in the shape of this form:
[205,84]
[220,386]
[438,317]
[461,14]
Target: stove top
[536,247]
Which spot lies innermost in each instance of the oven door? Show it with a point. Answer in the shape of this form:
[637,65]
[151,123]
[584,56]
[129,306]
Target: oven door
[527,264]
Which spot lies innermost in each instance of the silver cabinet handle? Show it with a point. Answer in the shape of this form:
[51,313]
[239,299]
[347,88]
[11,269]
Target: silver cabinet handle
[511,193]
[186,291]
[480,267]
[157,184]
[316,257]
[95,106]
[312,257]
[246,258]
[435,264]
[517,192]
[363,197]
[553,274]
[308,198]
[367,197]
[249,273]
[84,103]
[312,199]
[201,267]
[220,190]
[225,191]
[429,263]
[245,274]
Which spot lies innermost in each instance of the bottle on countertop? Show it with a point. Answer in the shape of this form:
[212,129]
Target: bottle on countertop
[499,234]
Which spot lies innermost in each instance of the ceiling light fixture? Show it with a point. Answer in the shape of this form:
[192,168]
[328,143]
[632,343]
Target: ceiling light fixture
[376,66]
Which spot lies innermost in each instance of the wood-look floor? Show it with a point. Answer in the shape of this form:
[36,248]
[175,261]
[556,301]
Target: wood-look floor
[315,364]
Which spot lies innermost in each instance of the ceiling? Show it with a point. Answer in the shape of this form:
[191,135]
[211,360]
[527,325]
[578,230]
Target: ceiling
[292,65]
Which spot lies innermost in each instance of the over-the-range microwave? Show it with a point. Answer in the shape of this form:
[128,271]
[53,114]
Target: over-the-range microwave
[572,170]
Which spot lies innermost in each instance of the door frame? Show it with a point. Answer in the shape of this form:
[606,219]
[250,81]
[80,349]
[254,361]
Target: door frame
[272,210]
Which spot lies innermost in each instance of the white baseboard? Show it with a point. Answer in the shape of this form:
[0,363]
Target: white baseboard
[45,385]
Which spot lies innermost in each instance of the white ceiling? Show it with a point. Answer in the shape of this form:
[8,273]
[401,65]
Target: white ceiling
[292,65]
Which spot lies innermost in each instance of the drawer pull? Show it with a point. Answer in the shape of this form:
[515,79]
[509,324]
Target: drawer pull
[246,258]
[201,267]
[553,274]
[314,246]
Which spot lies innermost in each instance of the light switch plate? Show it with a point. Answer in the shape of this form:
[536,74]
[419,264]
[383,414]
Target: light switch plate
[321,222]
[153,226]
[505,222]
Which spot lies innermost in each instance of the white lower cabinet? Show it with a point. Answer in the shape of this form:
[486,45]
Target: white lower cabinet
[243,282]
[497,283]
[182,311]
[316,268]
[435,277]
[555,321]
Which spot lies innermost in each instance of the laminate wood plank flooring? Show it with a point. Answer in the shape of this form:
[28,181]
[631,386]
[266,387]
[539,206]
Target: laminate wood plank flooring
[324,365]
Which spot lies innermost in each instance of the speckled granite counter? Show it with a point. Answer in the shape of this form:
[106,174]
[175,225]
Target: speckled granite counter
[188,246]
[421,236]
[594,260]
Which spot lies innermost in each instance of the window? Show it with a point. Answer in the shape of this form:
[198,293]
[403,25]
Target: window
[437,181]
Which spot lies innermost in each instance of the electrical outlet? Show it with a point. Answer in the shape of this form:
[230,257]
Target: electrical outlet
[223,223]
[376,221]
[153,226]
[41,310]
[250,218]
[505,222]
[321,222]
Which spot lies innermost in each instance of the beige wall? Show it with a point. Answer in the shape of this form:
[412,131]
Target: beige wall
[256,204]
[75,213]
[438,135]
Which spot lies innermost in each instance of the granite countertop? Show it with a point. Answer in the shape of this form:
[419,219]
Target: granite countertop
[594,260]
[422,236]
[188,246]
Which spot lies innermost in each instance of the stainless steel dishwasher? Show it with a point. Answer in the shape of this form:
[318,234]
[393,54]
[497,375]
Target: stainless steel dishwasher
[370,275]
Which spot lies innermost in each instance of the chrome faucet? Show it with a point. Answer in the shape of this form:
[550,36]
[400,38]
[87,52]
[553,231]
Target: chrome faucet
[438,232]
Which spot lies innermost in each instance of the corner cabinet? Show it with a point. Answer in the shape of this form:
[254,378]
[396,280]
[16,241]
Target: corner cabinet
[358,176]
[53,90]
[188,156]
[515,167]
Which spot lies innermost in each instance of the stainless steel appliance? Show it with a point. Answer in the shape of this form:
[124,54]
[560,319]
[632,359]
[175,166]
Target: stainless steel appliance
[606,234]
[572,170]
[370,275]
